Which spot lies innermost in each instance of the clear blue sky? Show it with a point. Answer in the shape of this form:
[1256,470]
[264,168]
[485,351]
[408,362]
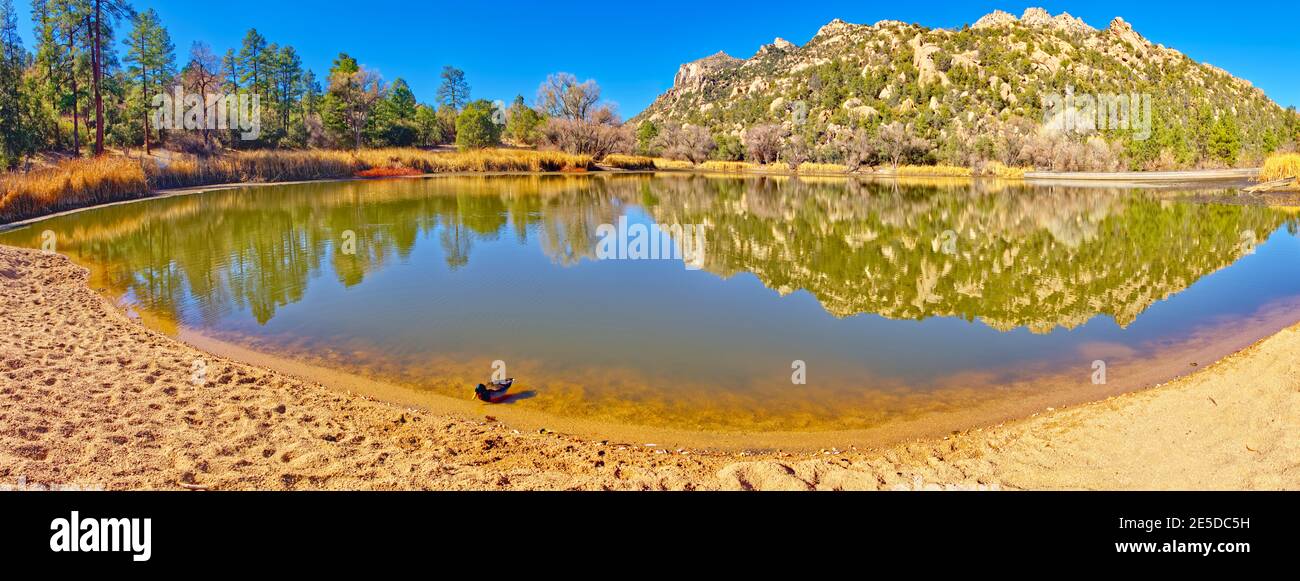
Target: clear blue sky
[633,49]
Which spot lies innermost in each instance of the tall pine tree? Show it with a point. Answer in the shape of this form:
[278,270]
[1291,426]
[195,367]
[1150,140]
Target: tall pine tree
[153,65]
[15,140]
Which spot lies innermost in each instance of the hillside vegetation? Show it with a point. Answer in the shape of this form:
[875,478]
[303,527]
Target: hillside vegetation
[903,93]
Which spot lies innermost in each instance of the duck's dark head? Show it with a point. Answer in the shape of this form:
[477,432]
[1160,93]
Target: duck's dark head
[481,389]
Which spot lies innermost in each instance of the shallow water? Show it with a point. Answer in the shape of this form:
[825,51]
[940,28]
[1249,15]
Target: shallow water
[900,300]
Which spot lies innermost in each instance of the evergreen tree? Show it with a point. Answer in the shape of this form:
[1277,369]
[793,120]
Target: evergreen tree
[646,133]
[523,123]
[350,103]
[15,140]
[1225,140]
[476,126]
[428,128]
[153,65]
[395,123]
[288,81]
[252,61]
[102,15]
[230,71]
[454,91]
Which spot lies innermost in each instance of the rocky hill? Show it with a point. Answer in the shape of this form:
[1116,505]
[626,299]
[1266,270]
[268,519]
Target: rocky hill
[982,92]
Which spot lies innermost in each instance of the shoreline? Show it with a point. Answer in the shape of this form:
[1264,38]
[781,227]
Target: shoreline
[972,404]
[1121,179]
[91,398]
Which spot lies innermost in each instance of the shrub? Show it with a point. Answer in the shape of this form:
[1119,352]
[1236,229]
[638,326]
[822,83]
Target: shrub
[476,126]
[587,137]
[729,148]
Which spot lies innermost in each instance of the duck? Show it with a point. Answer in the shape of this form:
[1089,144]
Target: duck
[493,391]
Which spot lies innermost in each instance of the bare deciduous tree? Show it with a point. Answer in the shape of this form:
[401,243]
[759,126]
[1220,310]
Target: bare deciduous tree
[862,149]
[586,137]
[796,152]
[203,76]
[763,142]
[898,144]
[563,97]
[685,142]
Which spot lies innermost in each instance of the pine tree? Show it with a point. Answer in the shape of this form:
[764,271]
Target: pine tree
[454,91]
[230,71]
[100,36]
[288,80]
[153,64]
[476,126]
[350,103]
[15,142]
[523,123]
[395,123]
[252,61]
[49,62]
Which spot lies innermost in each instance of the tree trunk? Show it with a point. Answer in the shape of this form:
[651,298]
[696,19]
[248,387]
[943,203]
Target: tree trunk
[147,149]
[207,111]
[76,110]
[98,77]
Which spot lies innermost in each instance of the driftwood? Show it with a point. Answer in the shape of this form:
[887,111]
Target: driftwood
[1269,186]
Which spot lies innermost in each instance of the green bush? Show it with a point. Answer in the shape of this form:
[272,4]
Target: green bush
[477,127]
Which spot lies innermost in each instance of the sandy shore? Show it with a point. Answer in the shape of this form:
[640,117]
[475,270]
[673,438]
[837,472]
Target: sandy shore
[89,398]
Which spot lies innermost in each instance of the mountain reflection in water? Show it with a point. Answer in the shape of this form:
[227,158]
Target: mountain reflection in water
[452,273]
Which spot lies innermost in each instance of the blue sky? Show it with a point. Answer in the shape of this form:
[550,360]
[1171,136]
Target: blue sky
[634,48]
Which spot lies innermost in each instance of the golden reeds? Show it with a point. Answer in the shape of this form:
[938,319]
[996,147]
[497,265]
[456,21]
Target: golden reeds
[809,167]
[728,166]
[79,183]
[943,171]
[628,162]
[71,184]
[999,170]
[664,163]
[1281,166]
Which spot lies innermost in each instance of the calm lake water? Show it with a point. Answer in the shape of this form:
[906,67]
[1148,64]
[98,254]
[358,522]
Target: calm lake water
[899,299]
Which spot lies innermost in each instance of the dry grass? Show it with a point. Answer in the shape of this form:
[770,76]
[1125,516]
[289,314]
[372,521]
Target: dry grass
[629,162]
[999,170]
[942,171]
[87,182]
[1281,166]
[729,166]
[258,166]
[484,160]
[664,163]
[71,184]
[809,167]
[287,166]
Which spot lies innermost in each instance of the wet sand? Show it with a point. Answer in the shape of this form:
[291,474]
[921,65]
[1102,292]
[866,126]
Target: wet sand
[90,398]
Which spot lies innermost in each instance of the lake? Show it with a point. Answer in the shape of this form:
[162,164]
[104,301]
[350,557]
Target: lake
[776,304]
